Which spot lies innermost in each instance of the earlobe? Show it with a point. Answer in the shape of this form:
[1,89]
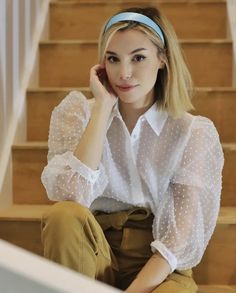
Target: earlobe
[162,65]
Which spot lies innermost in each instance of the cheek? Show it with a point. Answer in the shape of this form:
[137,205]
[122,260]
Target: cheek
[110,73]
[151,74]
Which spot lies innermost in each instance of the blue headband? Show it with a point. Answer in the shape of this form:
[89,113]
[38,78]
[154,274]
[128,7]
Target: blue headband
[133,16]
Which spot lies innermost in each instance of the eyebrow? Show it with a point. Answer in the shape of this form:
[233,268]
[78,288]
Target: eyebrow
[134,51]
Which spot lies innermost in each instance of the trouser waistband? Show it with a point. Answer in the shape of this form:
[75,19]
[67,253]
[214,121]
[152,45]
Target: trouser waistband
[138,217]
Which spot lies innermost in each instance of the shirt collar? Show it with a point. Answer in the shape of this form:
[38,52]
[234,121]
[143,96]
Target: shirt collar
[155,117]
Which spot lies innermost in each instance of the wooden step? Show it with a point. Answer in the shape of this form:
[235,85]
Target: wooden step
[29,160]
[67,63]
[20,225]
[69,19]
[229,174]
[40,103]
[139,1]
[218,263]
[219,104]
[216,289]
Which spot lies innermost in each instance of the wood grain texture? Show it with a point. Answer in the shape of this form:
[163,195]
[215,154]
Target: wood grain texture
[69,20]
[25,234]
[216,289]
[218,265]
[64,64]
[28,164]
[20,225]
[29,160]
[67,63]
[217,104]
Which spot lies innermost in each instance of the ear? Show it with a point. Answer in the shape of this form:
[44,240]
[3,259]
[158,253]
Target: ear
[162,64]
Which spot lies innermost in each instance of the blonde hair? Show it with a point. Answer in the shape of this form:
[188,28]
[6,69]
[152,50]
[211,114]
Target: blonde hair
[174,87]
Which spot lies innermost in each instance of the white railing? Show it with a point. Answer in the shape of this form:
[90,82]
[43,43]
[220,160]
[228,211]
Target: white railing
[21,27]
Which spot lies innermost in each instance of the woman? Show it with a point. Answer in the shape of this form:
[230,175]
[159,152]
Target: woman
[138,178]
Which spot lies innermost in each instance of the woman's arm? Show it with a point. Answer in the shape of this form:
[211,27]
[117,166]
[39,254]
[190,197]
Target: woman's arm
[90,148]
[74,130]
[187,216]
[152,274]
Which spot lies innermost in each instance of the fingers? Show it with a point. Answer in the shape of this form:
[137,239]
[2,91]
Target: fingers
[96,69]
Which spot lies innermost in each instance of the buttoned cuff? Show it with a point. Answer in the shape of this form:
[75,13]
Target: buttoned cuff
[83,170]
[165,252]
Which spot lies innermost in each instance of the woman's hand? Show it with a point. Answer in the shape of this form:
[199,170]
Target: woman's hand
[100,87]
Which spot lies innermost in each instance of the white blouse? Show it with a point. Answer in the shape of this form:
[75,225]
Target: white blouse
[172,166]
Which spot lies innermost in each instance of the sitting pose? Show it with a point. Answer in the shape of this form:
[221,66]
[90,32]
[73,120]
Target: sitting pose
[138,178]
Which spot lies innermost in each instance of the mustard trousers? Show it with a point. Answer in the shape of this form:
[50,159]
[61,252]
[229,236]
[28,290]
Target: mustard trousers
[111,248]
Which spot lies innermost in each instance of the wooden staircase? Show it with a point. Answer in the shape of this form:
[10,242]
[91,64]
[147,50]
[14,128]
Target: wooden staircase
[64,65]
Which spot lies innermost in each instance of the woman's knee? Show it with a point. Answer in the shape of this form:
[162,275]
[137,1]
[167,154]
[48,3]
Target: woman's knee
[62,217]
[178,282]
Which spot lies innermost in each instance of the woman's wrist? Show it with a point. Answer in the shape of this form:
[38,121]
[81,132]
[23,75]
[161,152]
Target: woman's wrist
[103,107]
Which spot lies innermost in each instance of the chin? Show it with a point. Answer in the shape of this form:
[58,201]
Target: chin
[127,98]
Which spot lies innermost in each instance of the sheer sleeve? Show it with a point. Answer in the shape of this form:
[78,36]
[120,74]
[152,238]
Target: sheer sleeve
[65,177]
[186,220]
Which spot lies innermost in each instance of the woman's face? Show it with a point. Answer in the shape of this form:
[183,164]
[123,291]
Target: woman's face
[132,65]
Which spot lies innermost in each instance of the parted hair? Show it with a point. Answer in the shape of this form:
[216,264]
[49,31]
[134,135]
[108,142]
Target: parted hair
[173,87]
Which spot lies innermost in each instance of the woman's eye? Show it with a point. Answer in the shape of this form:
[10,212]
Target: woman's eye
[112,59]
[139,58]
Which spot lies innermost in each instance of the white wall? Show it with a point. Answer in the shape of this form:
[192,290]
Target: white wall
[21,26]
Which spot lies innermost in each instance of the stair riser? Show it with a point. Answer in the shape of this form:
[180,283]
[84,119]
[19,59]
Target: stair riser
[27,168]
[221,109]
[229,174]
[221,252]
[28,165]
[26,234]
[218,263]
[68,64]
[190,20]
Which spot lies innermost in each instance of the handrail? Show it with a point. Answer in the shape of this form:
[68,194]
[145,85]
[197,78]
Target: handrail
[21,27]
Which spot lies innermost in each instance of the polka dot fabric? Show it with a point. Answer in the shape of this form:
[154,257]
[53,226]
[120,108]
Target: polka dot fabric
[172,166]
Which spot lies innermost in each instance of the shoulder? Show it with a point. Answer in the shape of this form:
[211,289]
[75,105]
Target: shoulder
[189,122]
[204,126]
[202,131]
[194,128]
[75,104]
[73,100]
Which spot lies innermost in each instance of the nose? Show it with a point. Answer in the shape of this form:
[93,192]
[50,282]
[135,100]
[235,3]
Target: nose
[125,71]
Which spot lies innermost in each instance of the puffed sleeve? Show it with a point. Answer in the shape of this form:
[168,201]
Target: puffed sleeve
[65,177]
[186,220]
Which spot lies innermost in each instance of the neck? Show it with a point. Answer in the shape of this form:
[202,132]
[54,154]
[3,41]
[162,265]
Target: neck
[130,112]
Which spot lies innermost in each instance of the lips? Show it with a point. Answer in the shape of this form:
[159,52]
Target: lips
[125,87]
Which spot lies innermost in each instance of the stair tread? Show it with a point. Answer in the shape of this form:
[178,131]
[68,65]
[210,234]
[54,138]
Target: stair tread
[216,289]
[30,145]
[182,41]
[26,212]
[44,144]
[64,2]
[23,212]
[52,89]
[227,215]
